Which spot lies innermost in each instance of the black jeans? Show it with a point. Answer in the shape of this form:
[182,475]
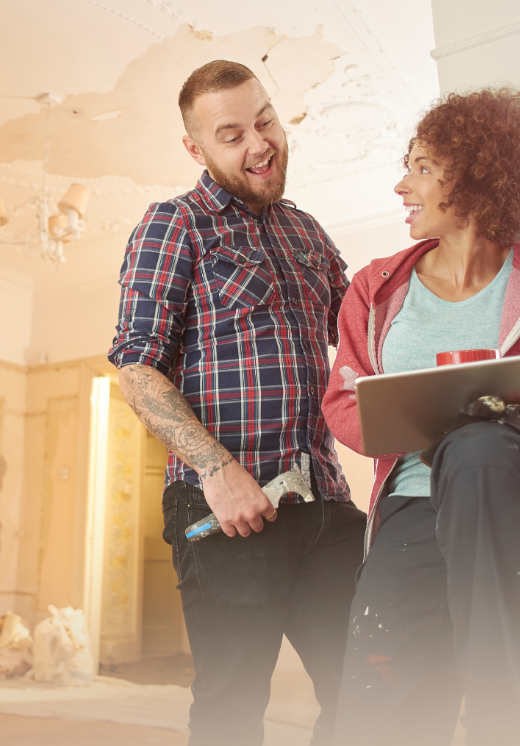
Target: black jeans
[240,595]
[437,608]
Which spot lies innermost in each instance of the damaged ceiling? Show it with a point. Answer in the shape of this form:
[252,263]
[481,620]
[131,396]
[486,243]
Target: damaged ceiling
[346,80]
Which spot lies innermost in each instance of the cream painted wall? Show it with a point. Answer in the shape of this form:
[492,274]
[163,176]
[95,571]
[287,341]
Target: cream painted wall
[44,425]
[466,18]
[15,317]
[358,248]
[74,322]
[477,43]
[13,386]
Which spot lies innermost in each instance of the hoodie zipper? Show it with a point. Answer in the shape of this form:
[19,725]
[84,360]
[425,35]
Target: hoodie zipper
[372,356]
[371,338]
[371,517]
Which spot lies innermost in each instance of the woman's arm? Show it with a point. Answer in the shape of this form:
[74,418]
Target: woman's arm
[352,360]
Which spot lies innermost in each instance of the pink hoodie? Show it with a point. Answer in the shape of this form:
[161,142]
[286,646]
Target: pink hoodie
[374,298]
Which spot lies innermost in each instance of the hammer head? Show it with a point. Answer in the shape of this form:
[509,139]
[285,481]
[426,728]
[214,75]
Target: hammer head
[290,481]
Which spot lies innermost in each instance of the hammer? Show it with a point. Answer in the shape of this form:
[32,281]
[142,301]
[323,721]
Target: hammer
[290,481]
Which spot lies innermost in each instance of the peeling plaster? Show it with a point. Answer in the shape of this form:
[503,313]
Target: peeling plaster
[143,143]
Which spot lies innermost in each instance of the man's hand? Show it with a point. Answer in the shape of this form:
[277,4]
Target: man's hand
[233,495]
[237,500]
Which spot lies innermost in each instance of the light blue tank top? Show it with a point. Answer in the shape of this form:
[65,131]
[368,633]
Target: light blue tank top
[426,325]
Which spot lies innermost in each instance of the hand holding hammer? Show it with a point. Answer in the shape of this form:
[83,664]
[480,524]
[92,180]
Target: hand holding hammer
[290,481]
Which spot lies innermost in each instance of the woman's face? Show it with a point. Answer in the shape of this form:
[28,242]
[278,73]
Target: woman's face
[422,193]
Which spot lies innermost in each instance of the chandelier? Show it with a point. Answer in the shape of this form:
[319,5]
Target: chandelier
[53,230]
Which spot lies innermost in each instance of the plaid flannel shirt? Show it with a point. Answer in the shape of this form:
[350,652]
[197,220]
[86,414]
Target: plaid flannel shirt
[238,310]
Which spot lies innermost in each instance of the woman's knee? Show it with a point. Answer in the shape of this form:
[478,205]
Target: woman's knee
[480,444]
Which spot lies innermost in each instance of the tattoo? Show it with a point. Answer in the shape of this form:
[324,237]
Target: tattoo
[213,469]
[164,411]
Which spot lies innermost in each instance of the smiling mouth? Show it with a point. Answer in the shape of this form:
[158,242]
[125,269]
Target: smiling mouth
[413,209]
[261,168]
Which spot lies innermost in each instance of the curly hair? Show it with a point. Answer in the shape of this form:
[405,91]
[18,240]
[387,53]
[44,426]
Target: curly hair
[479,136]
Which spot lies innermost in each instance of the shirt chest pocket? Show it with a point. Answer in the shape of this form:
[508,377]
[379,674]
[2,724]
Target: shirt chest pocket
[315,269]
[242,276]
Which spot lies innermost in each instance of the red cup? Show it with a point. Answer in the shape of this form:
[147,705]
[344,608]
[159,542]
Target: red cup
[466,356]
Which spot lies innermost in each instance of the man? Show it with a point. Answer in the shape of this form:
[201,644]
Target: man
[230,299]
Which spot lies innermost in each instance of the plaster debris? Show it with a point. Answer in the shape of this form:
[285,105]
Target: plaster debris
[15,646]
[62,649]
[349,376]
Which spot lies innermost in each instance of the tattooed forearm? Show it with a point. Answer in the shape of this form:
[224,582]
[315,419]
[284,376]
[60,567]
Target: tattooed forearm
[164,411]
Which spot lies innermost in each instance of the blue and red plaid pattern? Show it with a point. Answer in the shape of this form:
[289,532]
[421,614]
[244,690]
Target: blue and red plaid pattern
[238,310]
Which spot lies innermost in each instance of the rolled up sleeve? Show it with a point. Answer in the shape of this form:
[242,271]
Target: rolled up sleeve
[155,278]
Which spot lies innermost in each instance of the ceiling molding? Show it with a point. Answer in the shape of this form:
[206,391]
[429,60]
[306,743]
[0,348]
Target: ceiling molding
[126,17]
[168,8]
[381,56]
[476,41]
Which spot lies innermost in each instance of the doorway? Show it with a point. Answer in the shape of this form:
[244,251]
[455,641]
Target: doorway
[163,629]
[142,632]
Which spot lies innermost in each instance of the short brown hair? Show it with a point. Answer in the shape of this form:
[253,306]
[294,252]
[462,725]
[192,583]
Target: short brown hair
[479,135]
[215,76]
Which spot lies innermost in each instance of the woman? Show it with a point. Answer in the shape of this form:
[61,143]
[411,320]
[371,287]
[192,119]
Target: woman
[437,608]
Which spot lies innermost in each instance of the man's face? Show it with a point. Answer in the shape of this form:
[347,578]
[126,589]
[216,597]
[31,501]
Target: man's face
[241,142]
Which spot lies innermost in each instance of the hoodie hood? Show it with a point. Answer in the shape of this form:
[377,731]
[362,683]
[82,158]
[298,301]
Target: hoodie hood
[385,275]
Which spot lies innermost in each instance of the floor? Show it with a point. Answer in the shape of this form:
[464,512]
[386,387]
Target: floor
[35,731]
[41,715]
[165,669]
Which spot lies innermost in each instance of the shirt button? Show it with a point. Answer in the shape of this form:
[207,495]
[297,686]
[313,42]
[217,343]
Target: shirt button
[312,389]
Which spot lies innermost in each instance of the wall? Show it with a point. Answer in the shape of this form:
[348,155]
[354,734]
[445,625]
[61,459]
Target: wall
[358,248]
[15,317]
[477,43]
[13,385]
[76,321]
[44,428]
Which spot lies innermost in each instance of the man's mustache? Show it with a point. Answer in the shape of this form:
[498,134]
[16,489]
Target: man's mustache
[262,159]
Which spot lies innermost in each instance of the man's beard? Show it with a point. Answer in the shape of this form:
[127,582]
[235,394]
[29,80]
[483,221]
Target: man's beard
[269,192]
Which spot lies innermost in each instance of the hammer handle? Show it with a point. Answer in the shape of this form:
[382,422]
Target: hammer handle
[204,527]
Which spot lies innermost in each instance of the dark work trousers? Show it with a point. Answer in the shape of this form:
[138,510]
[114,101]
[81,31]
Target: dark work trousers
[437,607]
[240,595]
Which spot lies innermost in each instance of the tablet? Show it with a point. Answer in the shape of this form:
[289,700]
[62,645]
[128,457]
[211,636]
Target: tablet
[401,412]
